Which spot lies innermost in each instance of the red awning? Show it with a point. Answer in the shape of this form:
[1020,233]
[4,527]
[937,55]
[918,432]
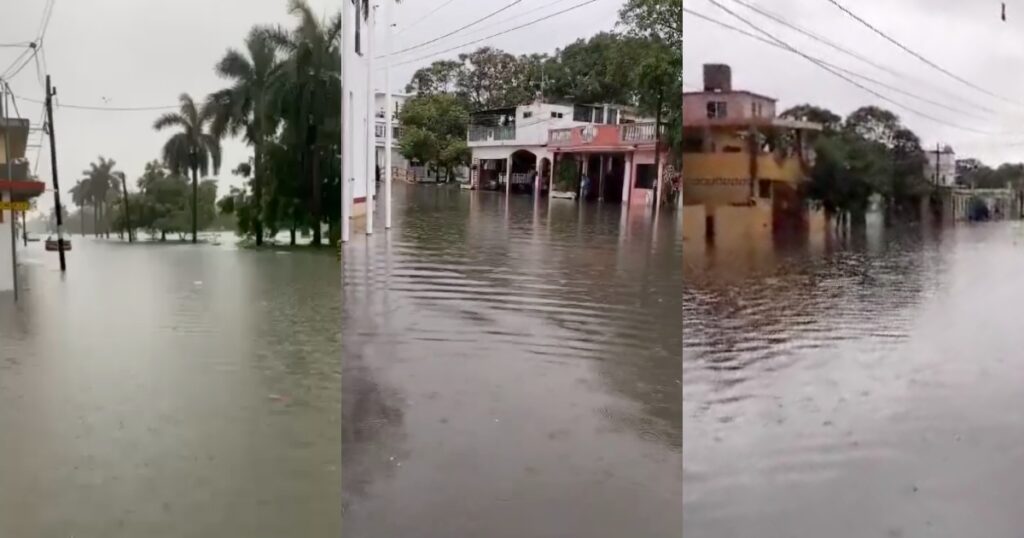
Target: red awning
[22,190]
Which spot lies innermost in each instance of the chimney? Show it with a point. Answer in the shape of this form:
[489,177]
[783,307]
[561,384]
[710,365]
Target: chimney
[717,78]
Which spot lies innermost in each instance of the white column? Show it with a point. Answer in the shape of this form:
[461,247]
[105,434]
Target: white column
[508,176]
[388,113]
[627,179]
[6,252]
[347,121]
[371,120]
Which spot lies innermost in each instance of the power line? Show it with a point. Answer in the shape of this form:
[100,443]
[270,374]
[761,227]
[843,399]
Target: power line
[919,56]
[521,26]
[105,108]
[836,67]
[423,18]
[457,30]
[817,37]
[844,77]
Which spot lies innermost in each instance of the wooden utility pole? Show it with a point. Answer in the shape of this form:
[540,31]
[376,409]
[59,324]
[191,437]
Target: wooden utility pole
[50,92]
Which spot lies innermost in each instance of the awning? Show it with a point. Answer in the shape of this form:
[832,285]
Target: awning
[22,190]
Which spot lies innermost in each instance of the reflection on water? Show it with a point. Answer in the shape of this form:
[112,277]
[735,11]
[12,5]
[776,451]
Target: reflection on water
[170,391]
[511,370]
[869,387]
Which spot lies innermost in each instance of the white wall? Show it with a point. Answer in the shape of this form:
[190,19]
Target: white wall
[947,168]
[356,135]
[6,271]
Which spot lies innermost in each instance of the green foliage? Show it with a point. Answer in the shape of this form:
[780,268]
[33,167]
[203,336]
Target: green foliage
[567,176]
[829,121]
[654,19]
[435,131]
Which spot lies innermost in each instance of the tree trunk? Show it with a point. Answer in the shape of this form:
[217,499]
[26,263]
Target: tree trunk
[95,220]
[257,180]
[291,238]
[127,213]
[195,206]
[163,236]
[81,215]
[315,167]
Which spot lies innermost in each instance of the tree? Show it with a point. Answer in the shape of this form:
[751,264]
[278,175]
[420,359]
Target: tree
[654,19]
[80,197]
[492,78]
[246,107]
[441,76]
[308,94]
[601,69]
[434,131]
[101,179]
[660,78]
[830,121]
[194,148]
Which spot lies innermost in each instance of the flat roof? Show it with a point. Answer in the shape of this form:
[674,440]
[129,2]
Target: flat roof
[779,123]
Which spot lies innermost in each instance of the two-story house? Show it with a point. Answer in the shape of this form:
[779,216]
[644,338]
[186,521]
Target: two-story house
[16,185]
[399,164]
[742,164]
[508,144]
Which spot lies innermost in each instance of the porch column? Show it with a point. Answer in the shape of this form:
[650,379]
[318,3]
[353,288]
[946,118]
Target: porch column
[600,178]
[508,175]
[551,174]
[584,171]
[627,179]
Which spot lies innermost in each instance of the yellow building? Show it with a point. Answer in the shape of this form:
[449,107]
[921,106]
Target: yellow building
[742,165]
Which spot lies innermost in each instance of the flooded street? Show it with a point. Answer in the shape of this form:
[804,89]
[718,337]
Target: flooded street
[866,389]
[512,370]
[171,391]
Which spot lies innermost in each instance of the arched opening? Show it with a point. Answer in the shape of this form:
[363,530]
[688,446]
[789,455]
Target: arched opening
[524,166]
[544,170]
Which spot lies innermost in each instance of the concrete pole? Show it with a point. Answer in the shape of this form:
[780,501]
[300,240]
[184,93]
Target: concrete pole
[627,179]
[347,121]
[371,121]
[508,176]
[389,123]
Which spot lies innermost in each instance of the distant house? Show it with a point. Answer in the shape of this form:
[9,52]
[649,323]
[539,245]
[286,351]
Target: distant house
[385,121]
[507,144]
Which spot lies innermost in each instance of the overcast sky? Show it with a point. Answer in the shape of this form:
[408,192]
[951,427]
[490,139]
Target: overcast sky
[137,53]
[965,37]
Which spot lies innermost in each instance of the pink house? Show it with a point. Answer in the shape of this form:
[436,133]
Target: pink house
[618,159]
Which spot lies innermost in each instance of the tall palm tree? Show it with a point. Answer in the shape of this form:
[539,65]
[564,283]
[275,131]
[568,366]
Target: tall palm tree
[307,91]
[101,178]
[193,148]
[246,107]
[80,197]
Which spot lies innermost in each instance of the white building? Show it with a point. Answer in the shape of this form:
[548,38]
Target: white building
[398,163]
[508,143]
[16,186]
[944,175]
[357,105]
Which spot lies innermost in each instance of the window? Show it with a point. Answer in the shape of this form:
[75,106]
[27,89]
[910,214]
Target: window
[613,116]
[717,109]
[527,114]
[396,133]
[645,176]
[583,113]
[557,115]
[764,188]
[378,130]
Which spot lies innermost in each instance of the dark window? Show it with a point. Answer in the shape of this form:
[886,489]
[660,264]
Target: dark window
[378,130]
[396,133]
[717,109]
[583,113]
[645,176]
[613,116]
[764,188]
[527,114]
[693,145]
[557,115]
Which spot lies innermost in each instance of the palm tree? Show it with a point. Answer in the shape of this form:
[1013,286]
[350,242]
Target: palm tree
[194,148]
[307,91]
[100,178]
[245,107]
[127,213]
[80,197]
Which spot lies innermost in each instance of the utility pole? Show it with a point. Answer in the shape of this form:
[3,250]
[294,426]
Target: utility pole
[936,163]
[10,177]
[388,114]
[371,118]
[50,92]
[348,22]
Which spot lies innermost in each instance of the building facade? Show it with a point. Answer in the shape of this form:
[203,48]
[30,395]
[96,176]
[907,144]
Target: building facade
[357,162]
[742,165]
[509,144]
[385,120]
[16,185]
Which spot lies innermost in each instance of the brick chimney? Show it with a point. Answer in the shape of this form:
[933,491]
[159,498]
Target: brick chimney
[717,78]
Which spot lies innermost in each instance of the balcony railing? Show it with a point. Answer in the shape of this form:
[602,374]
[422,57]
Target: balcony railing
[637,132]
[480,133]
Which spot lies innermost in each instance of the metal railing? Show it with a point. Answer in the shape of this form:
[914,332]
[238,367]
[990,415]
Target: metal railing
[481,133]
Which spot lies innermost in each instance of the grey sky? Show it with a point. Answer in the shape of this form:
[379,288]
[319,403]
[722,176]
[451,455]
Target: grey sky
[134,53]
[966,38]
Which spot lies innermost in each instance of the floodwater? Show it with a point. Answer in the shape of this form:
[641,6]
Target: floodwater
[858,388]
[512,370]
[171,391]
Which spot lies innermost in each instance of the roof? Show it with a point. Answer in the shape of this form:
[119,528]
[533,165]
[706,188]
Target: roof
[734,92]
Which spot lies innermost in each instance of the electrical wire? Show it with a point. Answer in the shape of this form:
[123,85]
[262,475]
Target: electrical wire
[503,32]
[423,18]
[838,68]
[104,108]
[921,57]
[846,78]
[817,37]
[457,30]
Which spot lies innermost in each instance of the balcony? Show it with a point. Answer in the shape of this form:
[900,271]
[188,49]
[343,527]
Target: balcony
[638,133]
[482,133]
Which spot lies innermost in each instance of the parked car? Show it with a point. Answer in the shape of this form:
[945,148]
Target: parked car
[53,246]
